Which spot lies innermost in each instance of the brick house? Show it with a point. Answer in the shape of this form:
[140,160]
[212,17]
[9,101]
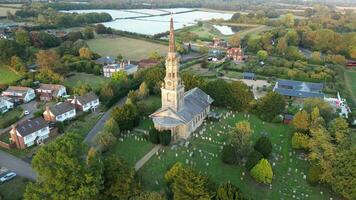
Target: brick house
[60,112]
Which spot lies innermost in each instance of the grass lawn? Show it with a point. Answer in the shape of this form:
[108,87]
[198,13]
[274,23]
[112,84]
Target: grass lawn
[198,70]
[6,75]
[206,148]
[129,48]
[13,189]
[10,117]
[3,10]
[131,147]
[350,77]
[94,81]
[84,124]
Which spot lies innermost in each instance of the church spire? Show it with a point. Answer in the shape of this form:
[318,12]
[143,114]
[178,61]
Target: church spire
[172,46]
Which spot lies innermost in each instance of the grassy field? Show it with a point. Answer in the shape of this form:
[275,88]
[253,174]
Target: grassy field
[132,49]
[350,78]
[13,189]
[6,75]
[79,78]
[84,124]
[289,166]
[3,10]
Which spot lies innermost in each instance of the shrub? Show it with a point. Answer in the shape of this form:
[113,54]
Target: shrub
[278,119]
[262,172]
[105,140]
[253,158]
[314,174]
[228,154]
[165,137]
[153,136]
[264,146]
[300,141]
[228,191]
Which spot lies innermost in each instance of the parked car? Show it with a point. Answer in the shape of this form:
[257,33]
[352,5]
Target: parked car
[8,177]
[26,112]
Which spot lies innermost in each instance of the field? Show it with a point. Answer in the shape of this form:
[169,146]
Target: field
[289,166]
[130,49]
[13,189]
[350,77]
[6,75]
[79,78]
[3,10]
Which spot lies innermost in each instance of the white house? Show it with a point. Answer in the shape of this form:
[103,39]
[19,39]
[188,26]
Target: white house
[48,92]
[87,102]
[30,132]
[109,70]
[20,94]
[60,112]
[5,104]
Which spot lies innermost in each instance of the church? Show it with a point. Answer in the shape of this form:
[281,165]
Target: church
[181,112]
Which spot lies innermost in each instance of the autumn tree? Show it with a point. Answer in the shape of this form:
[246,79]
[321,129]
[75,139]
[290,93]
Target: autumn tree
[228,191]
[143,91]
[49,60]
[111,126]
[105,140]
[301,121]
[85,53]
[300,141]
[240,139]
[81,89]
[235,40]
[288,20]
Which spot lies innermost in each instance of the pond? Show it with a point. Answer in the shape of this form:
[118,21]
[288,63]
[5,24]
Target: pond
[229,30]
[154,21]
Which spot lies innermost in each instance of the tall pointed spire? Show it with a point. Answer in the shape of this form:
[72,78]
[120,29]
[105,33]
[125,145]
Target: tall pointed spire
[172,46]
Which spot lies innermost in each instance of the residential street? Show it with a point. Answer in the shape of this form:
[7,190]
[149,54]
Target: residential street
[17,165]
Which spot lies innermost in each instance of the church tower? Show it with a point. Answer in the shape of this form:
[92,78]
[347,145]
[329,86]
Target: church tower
[172,89]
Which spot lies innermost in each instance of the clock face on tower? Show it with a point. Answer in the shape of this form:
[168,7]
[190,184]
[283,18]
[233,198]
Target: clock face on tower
[169,83]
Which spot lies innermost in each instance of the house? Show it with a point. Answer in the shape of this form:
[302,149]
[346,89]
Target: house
[181,112]
[109,70]
[147,63]
[236,54]
[29,132]
[215,55]
[351,63]
[217,42]
[86,103]
[105,60]
[298,91]
[248,76]
[60,112]
[47,92]
[19,94]
[5,104]
[287,118]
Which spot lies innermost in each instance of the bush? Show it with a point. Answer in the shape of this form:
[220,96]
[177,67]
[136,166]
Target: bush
[264,146]
[300,141]
[262,172]
[165,137]
[228,154]
[314,174]
[278,119]
[153,136]
[253,158]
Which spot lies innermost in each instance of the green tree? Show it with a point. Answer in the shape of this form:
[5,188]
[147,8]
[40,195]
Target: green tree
[228,155]
[88,33]
[149,196]
[10,48]
[325,109]
[253,158]
[155,56]
[240,139]
[271,105]
[339,129]
[105,140]
[154,78]
[112,127]
[63,172]
[22,37]
[300,141]
[288,20]
[143,91]
[262,172]
[241,95]
[120,76]
[264,146]
[262,55]
[154,136]
[191,81]
[228,191]
[81,89]
[282,45]
[127,116]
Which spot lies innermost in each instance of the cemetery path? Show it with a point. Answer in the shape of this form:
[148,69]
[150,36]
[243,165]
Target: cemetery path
[17,165]
[147,157]
[100,124]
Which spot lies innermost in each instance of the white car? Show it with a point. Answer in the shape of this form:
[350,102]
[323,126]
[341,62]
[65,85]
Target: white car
[7,177]
[26,112]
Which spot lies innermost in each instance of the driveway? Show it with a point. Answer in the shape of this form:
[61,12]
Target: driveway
[17,165]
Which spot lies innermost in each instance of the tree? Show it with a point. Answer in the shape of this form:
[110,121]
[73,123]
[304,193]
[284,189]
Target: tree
[49,60]
[241,95]
[293,53]
[292,37]
[154,136]
[10,48]
[120,181]
[173,172]
[235,40]
[105,140]
[282,45]
[262,55]
[264,146]
[88,33]
[63,171]
[119,57]
[17,64]
[191,81]
[301,121]
[218,90]
[149,196]
[325,109]
[154,78]
[271,105]
[143,91]
[228,155]
[314,172]
[165,137]
[100,29]
[288,20]
[82,89]
[262,172]
[74,36]
[253,158]
[344,173]
[85,53]
[120,76]
[112,127]
[155,56]
[22,37]
[228,191]
[339,129]
[240,139]
[127,116]
[300,141]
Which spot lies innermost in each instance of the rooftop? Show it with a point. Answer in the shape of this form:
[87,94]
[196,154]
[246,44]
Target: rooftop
[62,108]
[299,89]
[30,126]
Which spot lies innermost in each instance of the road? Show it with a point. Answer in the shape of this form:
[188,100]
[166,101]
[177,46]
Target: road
[17,165]
[89,139]
[24,169]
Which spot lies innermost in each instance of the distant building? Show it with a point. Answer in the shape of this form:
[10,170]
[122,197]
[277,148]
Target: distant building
[86,103]
[47,92]
[147,63]
[30,132]
[105,60]
[298,90]
[217,42]
[215,55]
[19,94]
[109,70]
[248,76]
[236,54]
[5,104]
[60,112]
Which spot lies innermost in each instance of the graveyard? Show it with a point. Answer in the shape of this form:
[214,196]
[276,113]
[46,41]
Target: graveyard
[203,150]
